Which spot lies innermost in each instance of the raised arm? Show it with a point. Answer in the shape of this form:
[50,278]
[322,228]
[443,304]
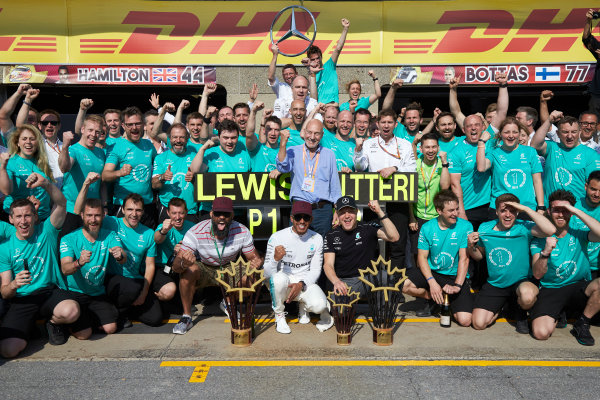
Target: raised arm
[84,106]
[156,132]
[82,195]
[273,66]
[374,97]
[543,227]
[445,177]
[65,161]
[262,133]
[5,181]
[209,89]
[591,222]
[183,105]
[30,96]
[483,164]
[57,217]
[502,102]
[251,139]
[9,107]
[388,231]
[198,160]
[587,29]
[284,136]
[388,101]
[538,141]
[340,44]
[453,102]
[545,97]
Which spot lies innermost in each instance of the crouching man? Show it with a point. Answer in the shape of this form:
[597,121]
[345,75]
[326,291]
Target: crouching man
[293,264]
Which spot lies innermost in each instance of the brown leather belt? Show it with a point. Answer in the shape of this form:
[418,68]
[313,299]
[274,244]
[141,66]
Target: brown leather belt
[320,204]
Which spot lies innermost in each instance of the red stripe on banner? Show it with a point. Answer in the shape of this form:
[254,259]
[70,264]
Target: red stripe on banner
[560,44]
[245,47]
[410,52]
[37,38]
[6,42]
[357,46]
[207,47]
[414,40]
[35,44]
[520,45]
[414,46]
[99,40]
[355,52]
[358,41]
[97,51]
[99,46]
[33,49]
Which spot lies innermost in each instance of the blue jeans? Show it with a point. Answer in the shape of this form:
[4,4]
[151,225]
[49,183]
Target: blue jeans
[322,219]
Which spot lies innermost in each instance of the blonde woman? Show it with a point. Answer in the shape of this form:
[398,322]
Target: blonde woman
[27,155]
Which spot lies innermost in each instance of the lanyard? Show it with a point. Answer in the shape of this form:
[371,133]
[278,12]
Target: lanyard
[397,155]
[427,182]
[217,247]
[311,171]
[54,147]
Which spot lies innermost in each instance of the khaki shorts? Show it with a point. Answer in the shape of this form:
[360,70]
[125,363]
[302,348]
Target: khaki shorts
[208,275]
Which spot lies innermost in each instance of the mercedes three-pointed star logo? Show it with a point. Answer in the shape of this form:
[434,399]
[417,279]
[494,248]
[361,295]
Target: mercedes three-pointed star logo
[293,32]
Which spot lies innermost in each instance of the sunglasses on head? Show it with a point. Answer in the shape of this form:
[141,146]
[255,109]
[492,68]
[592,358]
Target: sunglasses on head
[53,123]
[220,214]
[300,217]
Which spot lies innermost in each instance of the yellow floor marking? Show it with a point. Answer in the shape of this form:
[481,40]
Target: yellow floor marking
[201,368]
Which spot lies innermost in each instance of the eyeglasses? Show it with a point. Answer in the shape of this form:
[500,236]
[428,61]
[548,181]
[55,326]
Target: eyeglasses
[584,123]
[132,124]
[300,217]
[53,123]
[219,214]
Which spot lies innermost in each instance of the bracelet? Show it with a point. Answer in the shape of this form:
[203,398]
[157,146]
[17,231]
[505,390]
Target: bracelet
[428,279]
[481,140]
[458,285]
[544,255]
[161,232]
[503,85]
[540,208]
[384,217]
[447,165]
[375,79]
[206,119]
[78,263]
[25,102]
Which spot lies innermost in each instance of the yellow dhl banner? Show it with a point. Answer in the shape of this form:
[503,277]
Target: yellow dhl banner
[135,32]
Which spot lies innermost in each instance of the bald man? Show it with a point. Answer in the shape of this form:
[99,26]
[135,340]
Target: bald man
[299,92]
[341,144]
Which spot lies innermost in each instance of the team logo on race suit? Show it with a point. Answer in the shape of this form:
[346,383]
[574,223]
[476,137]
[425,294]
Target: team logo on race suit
[566,270]
[94,276]
[563,176]
[514,178]
[293,31]
[500,257]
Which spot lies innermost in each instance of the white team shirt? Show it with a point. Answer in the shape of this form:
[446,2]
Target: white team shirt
[53,151]
[281,108]
[281,89]
[303,255]
[204,245]
[376,154]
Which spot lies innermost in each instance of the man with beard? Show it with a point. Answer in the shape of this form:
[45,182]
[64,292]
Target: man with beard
[443,260]
[208,246]
[411,123]
[293,265]
[85,254]
[229,156]
[282,90]
[134,287]
[503,242]
[172,176]
[387,154]
[352,246]
[560,263]
[568,163]
[28,267]
[341,144]
[330,117]
[129,165]
[362,118]
[314,174]
[76,162]
[446,126]
[49,125]
[282,107]
[589,204]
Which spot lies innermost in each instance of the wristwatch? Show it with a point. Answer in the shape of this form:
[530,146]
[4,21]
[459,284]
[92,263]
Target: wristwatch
[303,285]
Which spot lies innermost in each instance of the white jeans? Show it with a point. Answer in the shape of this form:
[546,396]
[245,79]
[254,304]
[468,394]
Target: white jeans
[312,299]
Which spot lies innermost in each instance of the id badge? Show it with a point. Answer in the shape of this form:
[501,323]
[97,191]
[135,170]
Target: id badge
[309,184]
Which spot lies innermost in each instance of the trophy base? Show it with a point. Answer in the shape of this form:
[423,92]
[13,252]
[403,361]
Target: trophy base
[344,339]
[383,337]
[241,337]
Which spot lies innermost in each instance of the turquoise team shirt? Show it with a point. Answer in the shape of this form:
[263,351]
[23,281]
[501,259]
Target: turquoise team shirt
[138,244]
[19,169]
[295,138]
[176,187]
[343,150]
[327,83]
[110,145]
[6,231]
[165,249]
[362,102]
[401,132]
[195,147]
[593,247]
[264,158]
[89,279]
[476,186]
[512,173]
[449,146]
[568,262]
[140,156]
[40,251]
[84,162]
[444,245]
[504,252]
[216,160]
[568,169]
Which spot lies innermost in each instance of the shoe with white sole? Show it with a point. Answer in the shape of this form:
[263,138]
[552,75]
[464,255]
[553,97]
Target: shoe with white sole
[281,324]
[303,315]
[325,322]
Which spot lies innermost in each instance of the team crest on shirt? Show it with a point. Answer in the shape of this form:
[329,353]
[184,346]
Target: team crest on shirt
[444,261]
[563,176]
[93,274]
[500,257]
[566,269]
[515,178]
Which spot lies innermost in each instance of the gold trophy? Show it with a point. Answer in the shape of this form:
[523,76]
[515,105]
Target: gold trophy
[384,286]
[240,285]
[342,310]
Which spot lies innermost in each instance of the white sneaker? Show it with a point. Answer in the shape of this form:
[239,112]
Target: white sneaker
[184,325]
[281,324]
[303,315]
[325,322]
